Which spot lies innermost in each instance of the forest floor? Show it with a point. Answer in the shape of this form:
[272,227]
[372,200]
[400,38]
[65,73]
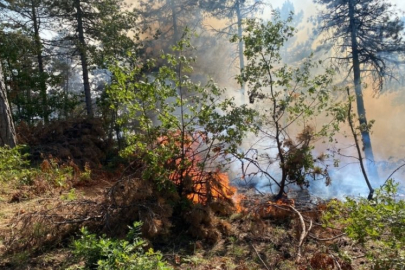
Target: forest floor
[262,236]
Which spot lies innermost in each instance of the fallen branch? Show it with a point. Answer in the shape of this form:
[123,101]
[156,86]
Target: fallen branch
[327,239]
[304,232]
[78,220]
[260,258]
[336,261]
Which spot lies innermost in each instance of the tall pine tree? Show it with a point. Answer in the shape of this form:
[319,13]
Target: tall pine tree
[365,32]
[98,29]
[234,11]
[164,21]
[31,16]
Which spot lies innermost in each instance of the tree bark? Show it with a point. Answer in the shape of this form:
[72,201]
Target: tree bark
[7,130]
[361,111]
[174,20]
[356,141]
[240,45]
[38,47]
[83,58]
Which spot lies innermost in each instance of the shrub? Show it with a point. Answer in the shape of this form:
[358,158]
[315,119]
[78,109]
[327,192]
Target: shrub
[376,224]
[180,137]
[106,253]
[184,131]
[13,164]
[287,97]
[15,167]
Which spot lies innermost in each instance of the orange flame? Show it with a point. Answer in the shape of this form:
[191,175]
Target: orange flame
[277,209]
[201,185]
[285,201]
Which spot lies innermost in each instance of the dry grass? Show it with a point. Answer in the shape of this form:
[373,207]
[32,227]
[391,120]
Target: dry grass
[264,236]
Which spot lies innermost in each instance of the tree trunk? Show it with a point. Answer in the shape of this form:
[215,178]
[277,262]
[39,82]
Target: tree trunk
[83,58]
[361,111]
[358,148]
[7,130]
[38,47]
[240,45]
[174,21]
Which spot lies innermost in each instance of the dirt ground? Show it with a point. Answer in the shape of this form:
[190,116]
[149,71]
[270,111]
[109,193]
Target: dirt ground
[262,236]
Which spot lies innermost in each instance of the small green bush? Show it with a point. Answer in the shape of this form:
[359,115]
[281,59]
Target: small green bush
[56,174]
[15,168]
[105,253]
[377,224]
[14,165]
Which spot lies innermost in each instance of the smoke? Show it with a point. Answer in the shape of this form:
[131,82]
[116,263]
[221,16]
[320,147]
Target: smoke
[388,142]
[217,58]
[388,131]
[387,134]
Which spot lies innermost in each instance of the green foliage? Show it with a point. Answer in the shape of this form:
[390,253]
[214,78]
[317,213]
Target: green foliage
[105,253]
[15,168]
[85,176]
[378,224]
[54,173]
[174,124]
[25,83]
[20,80]
[115,21]
[14,165]
[70,196]
[290,97]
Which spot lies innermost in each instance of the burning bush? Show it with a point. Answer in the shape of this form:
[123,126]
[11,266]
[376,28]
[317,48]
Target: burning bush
[195,176]
[181,143]
[177,151]
[190,191]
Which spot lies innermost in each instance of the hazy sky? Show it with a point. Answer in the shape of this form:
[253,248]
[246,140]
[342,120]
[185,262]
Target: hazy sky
[310,8]
[308,3]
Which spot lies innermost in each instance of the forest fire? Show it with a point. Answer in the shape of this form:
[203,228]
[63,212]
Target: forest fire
[274,209]
[196,174]
[202,181]
[285,201]
[210,186]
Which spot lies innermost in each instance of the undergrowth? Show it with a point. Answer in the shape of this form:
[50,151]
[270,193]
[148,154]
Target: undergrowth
[377,224]
[14,165]
[127,254]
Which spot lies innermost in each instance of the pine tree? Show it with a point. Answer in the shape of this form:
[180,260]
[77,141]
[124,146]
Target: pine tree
[7,131]
[20,81]
[166,20]
[98,29]
[31,16]
[235,11]
[366,32]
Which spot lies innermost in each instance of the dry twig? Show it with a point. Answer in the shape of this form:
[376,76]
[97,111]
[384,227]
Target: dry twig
[304,232]
[336,261]
[260,258]
[327,239]
[389,177]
